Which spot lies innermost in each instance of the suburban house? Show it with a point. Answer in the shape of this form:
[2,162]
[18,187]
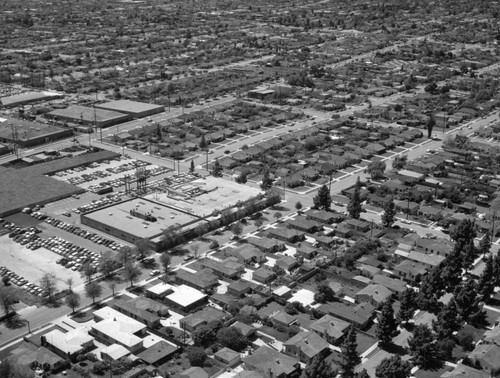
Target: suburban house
[305,346]
[330,328]
[272,364]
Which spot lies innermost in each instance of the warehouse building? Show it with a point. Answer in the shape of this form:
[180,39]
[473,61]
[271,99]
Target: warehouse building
[84,115]
[133,108]
[26,133]
[28,98]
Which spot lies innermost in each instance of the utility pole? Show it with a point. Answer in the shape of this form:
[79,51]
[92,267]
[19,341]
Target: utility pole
[207,159]
[408,206]
[493,225]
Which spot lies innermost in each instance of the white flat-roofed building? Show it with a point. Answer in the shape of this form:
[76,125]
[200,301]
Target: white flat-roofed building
[113,327]
[159,291]
[185,297]
[114,352]
[67,344]
[120,331]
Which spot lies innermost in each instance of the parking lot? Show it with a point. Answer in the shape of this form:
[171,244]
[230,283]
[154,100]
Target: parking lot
[33,264]
[108,173]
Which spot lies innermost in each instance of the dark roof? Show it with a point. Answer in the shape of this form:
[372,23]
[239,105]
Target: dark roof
[157,351]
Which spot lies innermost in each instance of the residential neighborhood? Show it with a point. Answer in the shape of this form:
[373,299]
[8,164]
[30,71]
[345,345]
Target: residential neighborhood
[268,190]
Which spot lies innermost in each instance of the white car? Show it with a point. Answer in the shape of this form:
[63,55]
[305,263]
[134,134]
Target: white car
[406,221]
[154,272]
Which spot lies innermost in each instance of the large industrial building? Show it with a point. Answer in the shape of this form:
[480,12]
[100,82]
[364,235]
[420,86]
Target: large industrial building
[133,108]
[138,219]
[84,115]
[28,98]
[26,133]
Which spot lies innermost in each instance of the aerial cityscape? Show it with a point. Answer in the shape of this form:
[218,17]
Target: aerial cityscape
[280,189]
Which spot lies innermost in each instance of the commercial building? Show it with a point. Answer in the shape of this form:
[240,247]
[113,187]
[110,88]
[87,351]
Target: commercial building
[133,108]
[137,219]
[84,115]
[25,133]
[28,98]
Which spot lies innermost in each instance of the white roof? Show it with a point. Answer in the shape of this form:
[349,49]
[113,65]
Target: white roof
[70,342]
[116,351]
[185,295]
[160,289]
[304,296]
[282,290]
[121,330]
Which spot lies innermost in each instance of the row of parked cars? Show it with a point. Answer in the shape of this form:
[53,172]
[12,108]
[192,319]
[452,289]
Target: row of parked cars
[25,236]
[20,281]
[72,256]
[98,239]
[97,203]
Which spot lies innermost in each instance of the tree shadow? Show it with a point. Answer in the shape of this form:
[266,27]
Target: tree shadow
[15,322]
[394,349]
[52,303]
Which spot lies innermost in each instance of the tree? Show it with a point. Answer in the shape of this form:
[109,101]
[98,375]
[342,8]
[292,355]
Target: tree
[107,266]
[485,244]
[232,338]
[241,178]
[278,216]
[354,207]
[408,306]
[217,169]
[298,206]
[142,247]
[203,142]
[422,346]
[486,283]
[124,255]
[323,200]
[48,284]
[393,367]
[466,297]
[88,271]
[324,293]
[348,354]
[376,169]
[93,290]
[258,223]
[206,334]
[7,299]
[165,259]
[237,229]
[464,234]
[386,327]
[389,214]
[430,126]
[196,355]
[319,367]
[73,300]
[448,321]
[191,167]
[399,161]
[267,182]
[363,374]
[131,272]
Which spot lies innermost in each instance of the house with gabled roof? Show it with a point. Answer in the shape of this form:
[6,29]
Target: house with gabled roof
[306,346]
[486,357]
[330,328]
[374,294]
[272,364]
